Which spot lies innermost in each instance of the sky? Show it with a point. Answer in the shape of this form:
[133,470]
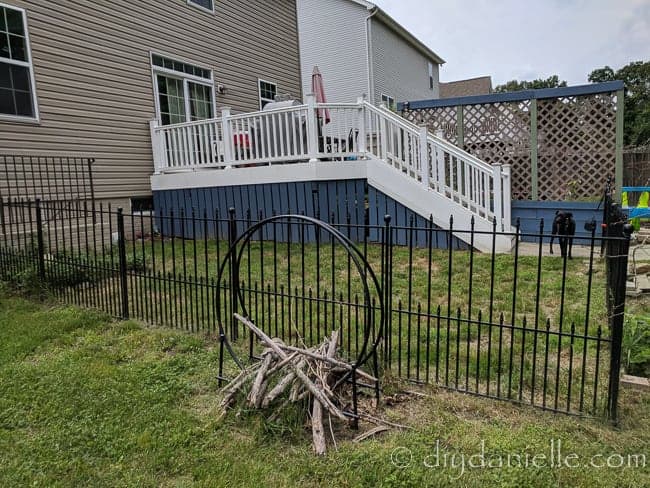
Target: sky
[527,39]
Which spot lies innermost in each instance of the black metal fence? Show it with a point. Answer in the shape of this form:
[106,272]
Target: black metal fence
[524,327]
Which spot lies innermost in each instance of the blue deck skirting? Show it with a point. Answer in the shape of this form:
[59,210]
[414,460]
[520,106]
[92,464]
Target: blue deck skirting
[342,202]
[530,214]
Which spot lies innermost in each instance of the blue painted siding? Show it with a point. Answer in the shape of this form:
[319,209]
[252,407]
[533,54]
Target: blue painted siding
[342,202]
[530,215]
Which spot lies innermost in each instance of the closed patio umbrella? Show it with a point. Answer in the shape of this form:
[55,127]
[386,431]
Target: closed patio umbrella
[318,88]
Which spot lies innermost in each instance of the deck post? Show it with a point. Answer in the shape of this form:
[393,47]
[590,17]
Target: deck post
[497,195]
[158,147]
[424,155]
[507,197]
[620,140]
[534,151]
[228,156]
[312,128]
[361,123]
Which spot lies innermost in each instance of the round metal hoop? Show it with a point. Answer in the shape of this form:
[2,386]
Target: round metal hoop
[373,332]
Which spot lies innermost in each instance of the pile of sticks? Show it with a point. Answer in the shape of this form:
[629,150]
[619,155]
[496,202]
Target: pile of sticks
[287,374]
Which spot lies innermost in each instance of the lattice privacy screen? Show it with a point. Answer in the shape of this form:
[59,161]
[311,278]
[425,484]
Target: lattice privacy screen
[576,141]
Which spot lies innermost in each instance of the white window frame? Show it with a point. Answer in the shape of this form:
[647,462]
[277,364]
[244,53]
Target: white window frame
[387,102]
[186,78]
[201,7]
[21,118]
[259,90]
[432,84]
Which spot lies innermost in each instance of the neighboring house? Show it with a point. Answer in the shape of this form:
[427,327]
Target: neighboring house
[360,49]
[85,78]
[466,88]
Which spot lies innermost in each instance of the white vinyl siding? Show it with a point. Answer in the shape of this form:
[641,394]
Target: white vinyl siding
[333,37]
[399,69]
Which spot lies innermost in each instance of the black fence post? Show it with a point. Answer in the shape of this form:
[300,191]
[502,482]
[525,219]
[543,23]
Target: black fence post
[39,241]
[386,286]
[616,290]
[232,235]
[121,246]
[90,162]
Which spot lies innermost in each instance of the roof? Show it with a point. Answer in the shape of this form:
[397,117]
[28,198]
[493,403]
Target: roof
[381,15]
[462,88]
[517,96]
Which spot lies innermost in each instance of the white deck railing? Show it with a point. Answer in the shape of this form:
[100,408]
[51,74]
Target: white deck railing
[356,131]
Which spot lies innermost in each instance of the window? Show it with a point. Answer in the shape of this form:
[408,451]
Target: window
[141,204]
[431,80]
[17,88]
[268,92]
[205,4]
[389,102]
[184,92]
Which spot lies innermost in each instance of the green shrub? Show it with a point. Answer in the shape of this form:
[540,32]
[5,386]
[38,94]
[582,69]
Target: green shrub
[636,345]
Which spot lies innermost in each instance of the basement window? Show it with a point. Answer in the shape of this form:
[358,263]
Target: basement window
[141,204]
[203,4]
[17,87]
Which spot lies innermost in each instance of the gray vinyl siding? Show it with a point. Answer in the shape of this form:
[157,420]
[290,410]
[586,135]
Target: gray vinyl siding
[94,82]
[333,37]
[399,70]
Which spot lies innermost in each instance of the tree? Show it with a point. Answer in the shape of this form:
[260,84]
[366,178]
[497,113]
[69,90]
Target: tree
[514,85]
[636,77]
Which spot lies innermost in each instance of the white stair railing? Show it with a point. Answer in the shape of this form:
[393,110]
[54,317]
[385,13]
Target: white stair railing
[354,131]
[481,188]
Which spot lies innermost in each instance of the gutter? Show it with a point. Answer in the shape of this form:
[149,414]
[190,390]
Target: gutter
[371,69]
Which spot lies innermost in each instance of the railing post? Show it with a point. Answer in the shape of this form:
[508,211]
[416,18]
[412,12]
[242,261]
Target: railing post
[618,270]
[383,135]
[507,196]
[424,155]
[312,128]
[361,123]
[440,161]
[226,131]
[158,147]
[39,241]
[497,195]
[121,247]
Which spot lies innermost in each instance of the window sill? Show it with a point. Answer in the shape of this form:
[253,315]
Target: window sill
[20,120]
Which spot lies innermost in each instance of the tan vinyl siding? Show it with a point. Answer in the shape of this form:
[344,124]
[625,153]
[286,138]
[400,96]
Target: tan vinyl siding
[94,83]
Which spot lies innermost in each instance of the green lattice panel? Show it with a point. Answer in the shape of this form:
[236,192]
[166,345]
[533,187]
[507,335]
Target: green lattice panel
[499,133]
[577,146]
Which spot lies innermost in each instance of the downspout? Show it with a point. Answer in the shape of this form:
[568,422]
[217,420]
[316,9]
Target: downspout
[371,75]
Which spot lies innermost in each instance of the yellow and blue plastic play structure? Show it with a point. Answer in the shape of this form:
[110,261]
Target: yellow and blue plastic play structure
[642,210]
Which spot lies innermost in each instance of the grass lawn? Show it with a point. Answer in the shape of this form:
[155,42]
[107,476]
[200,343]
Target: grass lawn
[85,401]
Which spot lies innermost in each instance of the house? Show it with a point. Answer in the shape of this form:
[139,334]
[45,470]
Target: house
[85,78]
[481,85]
[167,96]
[360,49]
